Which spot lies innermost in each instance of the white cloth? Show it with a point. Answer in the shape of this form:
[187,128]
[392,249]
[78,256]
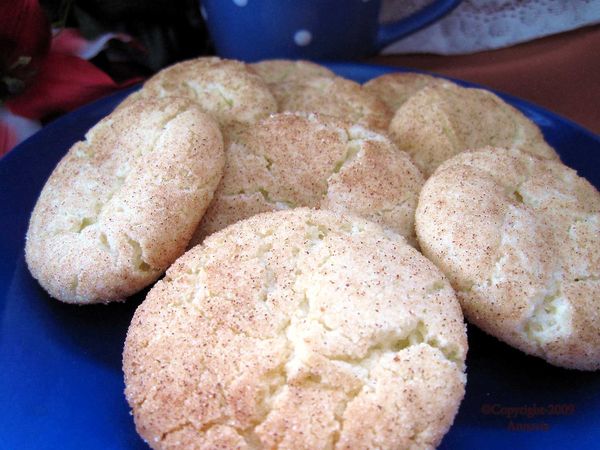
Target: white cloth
[477,25]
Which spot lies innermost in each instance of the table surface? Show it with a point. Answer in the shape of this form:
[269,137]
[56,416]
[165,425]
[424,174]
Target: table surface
[559,72]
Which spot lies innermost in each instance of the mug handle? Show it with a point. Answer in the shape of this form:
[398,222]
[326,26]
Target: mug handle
[397,30]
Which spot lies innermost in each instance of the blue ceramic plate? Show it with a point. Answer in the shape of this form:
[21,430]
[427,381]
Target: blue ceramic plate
[61,385]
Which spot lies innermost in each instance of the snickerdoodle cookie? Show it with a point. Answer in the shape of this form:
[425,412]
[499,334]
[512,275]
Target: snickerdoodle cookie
[441,120]
[224,88]
[277,72]
[290,160]
[297,329]
[396,88]
[122,204]
[325,93]
[519,238]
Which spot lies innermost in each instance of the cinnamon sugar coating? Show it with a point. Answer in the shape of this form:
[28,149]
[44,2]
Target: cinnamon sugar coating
[396,88]
[302,86]
[122,204]
[226,89]
[441,120]
[519,238]
[277,71]
[297,329]
[290,160]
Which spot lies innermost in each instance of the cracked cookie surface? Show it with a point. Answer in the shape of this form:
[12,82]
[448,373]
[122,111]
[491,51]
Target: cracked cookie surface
[290,160]
[280,74]
[123,203]
[396,88]
[226,89]
[332,95]
[297,329]
[519,238]
[441,120]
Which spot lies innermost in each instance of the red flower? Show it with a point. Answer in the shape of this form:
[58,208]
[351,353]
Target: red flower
[64,83]
[24,41]
[43,76]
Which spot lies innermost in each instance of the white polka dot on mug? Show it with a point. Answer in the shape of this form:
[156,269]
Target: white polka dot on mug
[302,37]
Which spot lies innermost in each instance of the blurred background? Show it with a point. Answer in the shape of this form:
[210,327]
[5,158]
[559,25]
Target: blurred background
[56,55]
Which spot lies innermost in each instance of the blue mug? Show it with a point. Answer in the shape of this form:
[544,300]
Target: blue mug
[251,30]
